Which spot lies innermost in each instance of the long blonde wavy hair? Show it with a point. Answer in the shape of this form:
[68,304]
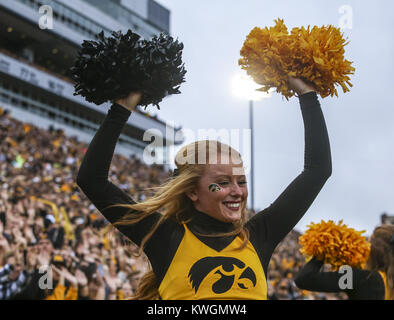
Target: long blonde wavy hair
[171,200]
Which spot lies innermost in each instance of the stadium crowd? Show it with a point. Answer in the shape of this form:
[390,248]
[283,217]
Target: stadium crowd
[45,220]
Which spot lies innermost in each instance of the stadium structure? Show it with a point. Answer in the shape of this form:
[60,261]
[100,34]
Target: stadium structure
[35,62]
[386,218]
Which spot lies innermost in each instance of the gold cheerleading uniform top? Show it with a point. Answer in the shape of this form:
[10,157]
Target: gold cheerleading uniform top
[199,272]
[187,263]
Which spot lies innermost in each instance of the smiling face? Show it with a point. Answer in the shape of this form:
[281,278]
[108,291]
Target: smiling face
[227,204]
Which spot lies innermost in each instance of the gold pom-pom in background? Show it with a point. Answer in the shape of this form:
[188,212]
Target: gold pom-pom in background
[270,55]
[335,244]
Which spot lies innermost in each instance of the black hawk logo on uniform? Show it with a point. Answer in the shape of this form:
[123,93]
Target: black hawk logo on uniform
[222,266]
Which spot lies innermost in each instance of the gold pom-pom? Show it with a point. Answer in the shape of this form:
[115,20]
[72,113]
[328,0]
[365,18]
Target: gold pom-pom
[272,54]
[335,244]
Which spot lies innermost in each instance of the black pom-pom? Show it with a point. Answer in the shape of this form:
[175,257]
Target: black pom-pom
[112,67]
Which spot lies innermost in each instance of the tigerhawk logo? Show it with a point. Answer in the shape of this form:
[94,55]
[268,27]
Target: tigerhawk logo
[223,266]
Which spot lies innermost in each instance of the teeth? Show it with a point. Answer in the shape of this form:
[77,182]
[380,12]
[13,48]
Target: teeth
[232,205]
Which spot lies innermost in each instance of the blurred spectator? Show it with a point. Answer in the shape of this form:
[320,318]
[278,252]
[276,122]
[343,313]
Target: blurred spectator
[13,276]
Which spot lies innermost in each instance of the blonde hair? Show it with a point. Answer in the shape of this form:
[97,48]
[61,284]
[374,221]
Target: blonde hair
[381,257]
[172,201]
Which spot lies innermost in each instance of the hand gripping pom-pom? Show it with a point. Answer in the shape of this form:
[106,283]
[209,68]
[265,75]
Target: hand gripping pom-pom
[111,67]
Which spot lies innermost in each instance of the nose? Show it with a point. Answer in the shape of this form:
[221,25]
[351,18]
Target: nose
[236,190]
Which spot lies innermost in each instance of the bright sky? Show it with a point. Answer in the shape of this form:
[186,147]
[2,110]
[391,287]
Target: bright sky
[360,123]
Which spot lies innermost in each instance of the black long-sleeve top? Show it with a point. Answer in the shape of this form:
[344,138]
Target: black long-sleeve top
[358,284]
[267,228]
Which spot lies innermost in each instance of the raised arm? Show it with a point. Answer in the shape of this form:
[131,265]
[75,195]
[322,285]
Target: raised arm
[275,222]
[93,173]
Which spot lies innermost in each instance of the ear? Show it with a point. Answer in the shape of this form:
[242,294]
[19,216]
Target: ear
[192,195]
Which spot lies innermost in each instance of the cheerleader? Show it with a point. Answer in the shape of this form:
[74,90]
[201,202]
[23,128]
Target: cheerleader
[195,230]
